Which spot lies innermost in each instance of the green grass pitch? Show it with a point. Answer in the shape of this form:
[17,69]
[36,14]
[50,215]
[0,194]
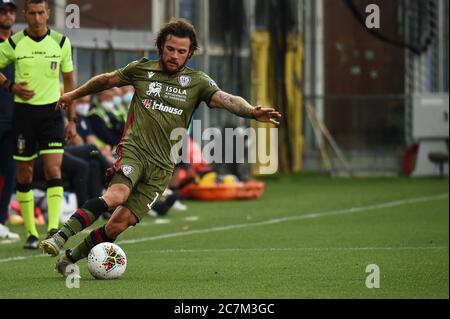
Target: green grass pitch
[309,236]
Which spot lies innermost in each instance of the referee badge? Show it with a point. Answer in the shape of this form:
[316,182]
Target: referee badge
[53,65]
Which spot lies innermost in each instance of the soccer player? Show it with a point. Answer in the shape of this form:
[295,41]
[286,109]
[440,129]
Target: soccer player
[39,55]
[166,95]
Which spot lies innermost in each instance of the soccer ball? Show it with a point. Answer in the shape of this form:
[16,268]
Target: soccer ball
[107,261]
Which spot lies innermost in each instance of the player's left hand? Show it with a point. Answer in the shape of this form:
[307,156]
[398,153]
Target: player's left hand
[268,115]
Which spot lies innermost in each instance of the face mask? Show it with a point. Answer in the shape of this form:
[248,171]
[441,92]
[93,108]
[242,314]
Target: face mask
[117,100]
[127,98]
[82,109]
[108,106]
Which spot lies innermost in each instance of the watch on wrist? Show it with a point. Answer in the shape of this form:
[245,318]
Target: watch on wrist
[7,85]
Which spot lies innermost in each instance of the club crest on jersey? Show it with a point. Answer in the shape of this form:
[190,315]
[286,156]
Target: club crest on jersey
[184,80]
[127,169]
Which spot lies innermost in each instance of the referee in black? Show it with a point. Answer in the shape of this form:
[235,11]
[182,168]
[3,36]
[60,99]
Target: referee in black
[39,55]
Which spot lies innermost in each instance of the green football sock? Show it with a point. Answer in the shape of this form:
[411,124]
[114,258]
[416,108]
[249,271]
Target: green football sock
[84,217]
[54,202]
[26,203]
[80,220]
[96,237]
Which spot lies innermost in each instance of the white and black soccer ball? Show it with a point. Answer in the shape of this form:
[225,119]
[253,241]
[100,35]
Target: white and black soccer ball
[107,261]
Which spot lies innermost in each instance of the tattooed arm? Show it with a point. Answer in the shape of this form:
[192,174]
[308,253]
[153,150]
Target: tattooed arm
[96,84]
[234,104]
[240,107]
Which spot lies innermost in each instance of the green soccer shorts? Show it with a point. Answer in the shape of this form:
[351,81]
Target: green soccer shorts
[146,181]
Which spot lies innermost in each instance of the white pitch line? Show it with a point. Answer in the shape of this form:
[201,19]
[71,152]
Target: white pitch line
[256,249]
[267,222]
[289,249]
[289,218]
[21,258]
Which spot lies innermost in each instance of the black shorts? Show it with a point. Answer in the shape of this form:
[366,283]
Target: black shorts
[37,128]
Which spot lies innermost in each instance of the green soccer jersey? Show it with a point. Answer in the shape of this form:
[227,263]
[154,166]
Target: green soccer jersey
[38,63]
[161,104]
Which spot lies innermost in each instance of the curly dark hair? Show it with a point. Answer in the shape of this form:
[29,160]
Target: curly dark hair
[181,28]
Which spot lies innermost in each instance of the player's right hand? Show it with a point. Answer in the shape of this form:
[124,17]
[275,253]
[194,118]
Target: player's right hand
[64,101]
[20,90]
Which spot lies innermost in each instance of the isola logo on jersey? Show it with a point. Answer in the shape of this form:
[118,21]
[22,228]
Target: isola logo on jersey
[170,92]
[175,93]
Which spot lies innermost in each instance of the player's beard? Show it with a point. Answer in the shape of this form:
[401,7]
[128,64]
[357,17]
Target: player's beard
[171,72]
